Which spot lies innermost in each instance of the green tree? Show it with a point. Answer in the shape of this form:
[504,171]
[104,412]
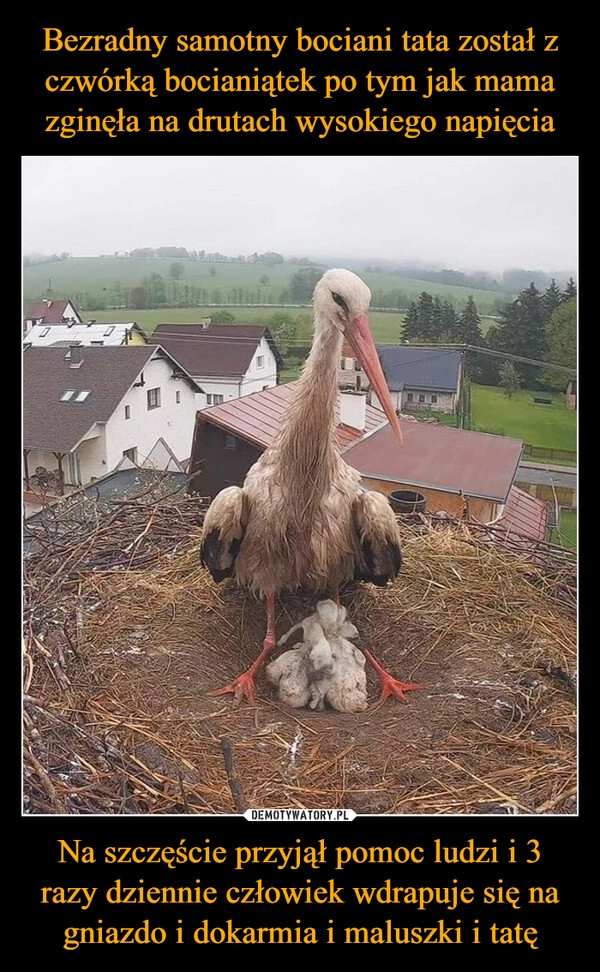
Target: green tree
[223,317]
[468,328]
[284,328]
[410,329]
[302,284]
[522,331]
[138,298]
[156,289]
[562,342]
[449,322]
[551,299]
[510,379]
[570,290]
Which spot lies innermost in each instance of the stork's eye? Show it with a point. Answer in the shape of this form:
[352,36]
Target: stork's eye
[341,302]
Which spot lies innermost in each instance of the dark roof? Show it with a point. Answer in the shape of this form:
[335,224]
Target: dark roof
[427,368]
[50,311]
[50,425]
[215,350]
[257,417]
[438,457]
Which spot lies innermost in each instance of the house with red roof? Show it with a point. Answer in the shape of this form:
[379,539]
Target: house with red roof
[229,438]
[48,311]
[460,472]
[227,360]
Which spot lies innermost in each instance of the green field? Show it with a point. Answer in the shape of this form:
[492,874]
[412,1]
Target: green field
[553,426]
[566,535]
[386,326]
[106,275]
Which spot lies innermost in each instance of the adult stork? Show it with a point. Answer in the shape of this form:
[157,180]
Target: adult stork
[301,520]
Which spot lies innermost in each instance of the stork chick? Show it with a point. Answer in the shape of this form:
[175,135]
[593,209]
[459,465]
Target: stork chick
[325,667]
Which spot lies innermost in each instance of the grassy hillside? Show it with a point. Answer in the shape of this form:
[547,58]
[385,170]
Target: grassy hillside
[108,275]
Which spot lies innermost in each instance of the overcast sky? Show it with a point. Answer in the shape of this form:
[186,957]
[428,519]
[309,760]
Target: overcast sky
[459,212]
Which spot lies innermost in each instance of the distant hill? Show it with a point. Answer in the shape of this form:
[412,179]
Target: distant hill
[109,282]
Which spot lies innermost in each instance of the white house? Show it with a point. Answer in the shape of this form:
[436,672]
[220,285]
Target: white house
[227,360]
[418,378]
[85,408]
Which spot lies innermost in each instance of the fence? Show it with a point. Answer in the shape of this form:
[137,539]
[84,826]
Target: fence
[565,454]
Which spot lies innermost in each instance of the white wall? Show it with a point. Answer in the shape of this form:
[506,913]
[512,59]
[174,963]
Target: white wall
[174,422]
[255,379]
[104,450]
[445,402]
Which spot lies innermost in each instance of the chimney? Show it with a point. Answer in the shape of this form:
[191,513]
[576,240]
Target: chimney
[353,409]
[75,356]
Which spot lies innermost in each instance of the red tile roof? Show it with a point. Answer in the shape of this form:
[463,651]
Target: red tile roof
[218,350]
[439,457]
[50,311]
[257,417]
[524,516]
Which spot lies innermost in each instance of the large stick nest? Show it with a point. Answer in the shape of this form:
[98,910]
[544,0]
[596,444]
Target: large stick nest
[126,635]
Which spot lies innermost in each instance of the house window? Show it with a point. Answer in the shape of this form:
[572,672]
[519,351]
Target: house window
[421,398]
[82,395]
[265,387]
[178,397]
[260,361]
[433,399]
[44,331]
[214,399]
[109,330]
[128,411]
[153,398]
[357,365]
[343,364]
[98,344]
[230,441]
[409,397]
[68,395]
[130,454]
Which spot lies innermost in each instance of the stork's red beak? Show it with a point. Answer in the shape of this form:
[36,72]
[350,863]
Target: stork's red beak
[359,335]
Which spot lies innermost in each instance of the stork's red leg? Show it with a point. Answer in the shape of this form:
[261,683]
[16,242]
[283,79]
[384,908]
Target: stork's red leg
[242,687]
[389,684]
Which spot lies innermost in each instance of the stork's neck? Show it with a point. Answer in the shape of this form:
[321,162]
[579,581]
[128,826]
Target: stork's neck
[307,440]
[313,405]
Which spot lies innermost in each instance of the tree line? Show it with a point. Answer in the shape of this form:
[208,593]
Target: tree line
[537,325]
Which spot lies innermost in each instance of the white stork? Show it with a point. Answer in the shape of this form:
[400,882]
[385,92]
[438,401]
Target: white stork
[301,520]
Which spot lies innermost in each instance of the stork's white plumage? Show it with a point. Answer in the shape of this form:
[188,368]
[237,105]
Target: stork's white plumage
[301,520]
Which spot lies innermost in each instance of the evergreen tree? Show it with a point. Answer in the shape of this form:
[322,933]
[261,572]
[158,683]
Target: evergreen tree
[410,330]
[425,317]
[437,319]
[468,329]
[570,291]
[449,323]
[522,331]
[551,299]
